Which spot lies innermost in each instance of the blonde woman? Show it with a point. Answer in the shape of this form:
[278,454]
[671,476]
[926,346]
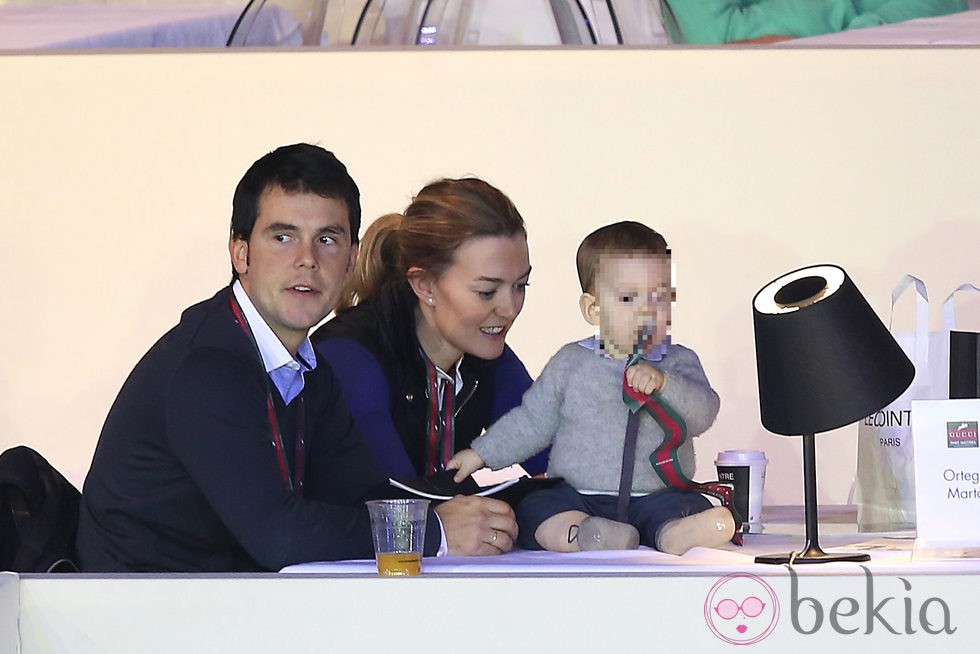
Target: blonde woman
[422,357]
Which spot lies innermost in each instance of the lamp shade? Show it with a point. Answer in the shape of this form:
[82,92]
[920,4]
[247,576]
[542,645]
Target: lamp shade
[824,358]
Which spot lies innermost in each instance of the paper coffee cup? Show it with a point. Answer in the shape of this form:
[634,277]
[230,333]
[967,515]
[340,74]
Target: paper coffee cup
[745,470]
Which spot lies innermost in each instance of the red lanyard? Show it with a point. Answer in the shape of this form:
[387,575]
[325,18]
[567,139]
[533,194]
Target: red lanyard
[441,422]
[293,482]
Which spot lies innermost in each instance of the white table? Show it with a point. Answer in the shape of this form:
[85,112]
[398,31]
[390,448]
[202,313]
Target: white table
[123,26]
[953,29]
[890,554]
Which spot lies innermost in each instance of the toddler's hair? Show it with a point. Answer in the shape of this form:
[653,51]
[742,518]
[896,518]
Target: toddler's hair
[623,238]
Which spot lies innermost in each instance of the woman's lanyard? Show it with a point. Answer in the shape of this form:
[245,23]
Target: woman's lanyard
[441,421]
[293,482]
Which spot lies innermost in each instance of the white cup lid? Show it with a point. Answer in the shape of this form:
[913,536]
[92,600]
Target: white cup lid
[729,457]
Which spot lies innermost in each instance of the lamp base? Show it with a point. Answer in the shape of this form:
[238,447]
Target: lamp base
[811,552]
[810,557]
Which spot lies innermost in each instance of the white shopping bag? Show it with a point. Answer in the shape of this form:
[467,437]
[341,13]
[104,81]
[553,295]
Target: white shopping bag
[885,478]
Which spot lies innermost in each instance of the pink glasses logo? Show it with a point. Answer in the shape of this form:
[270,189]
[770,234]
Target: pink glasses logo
[741,609]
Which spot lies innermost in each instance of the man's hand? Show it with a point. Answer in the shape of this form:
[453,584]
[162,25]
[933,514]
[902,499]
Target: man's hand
[466,462]
[477,526]
[644,378]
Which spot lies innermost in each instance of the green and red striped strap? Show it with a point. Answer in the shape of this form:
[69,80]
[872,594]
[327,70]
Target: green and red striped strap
[664,459]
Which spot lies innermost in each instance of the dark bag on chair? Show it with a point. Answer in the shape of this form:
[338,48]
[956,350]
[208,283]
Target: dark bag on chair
[38,514]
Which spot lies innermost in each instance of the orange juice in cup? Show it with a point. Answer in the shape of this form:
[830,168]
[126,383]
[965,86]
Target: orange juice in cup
[398,528]
[399,564]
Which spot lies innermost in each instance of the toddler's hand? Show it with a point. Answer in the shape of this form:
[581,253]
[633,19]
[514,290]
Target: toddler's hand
[466,462]
[644,378]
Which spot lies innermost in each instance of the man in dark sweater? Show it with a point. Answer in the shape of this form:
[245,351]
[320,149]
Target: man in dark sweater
[228,448]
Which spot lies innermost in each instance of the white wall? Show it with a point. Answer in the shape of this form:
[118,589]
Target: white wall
[118,172]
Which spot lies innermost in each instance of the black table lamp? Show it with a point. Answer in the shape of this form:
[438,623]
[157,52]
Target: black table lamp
[824,360]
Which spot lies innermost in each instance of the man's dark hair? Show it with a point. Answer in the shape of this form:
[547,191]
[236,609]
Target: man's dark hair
[297,168]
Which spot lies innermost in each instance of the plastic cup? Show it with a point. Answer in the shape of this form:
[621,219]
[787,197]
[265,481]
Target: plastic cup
[745,470]
[398,528]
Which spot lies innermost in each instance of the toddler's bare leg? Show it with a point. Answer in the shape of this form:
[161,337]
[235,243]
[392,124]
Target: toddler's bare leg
[710,528]
[558,532]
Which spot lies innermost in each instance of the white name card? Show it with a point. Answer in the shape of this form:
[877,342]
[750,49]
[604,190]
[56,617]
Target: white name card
[947,477]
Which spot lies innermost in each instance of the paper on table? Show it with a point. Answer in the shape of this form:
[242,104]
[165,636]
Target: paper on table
[441,487]
[488,477]
[435,489]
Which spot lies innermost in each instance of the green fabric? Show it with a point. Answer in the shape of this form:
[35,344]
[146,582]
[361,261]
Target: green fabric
[723,21]
[895,11]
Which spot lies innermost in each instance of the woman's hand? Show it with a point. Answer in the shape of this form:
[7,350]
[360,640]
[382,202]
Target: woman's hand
[465,462]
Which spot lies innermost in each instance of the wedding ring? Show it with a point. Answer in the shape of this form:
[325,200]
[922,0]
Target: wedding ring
[493,539]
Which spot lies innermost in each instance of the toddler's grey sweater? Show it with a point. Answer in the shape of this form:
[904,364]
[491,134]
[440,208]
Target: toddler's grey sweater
[577,406]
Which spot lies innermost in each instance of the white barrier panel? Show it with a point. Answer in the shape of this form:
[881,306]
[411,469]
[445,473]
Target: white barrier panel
[824,607]
[9,612]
